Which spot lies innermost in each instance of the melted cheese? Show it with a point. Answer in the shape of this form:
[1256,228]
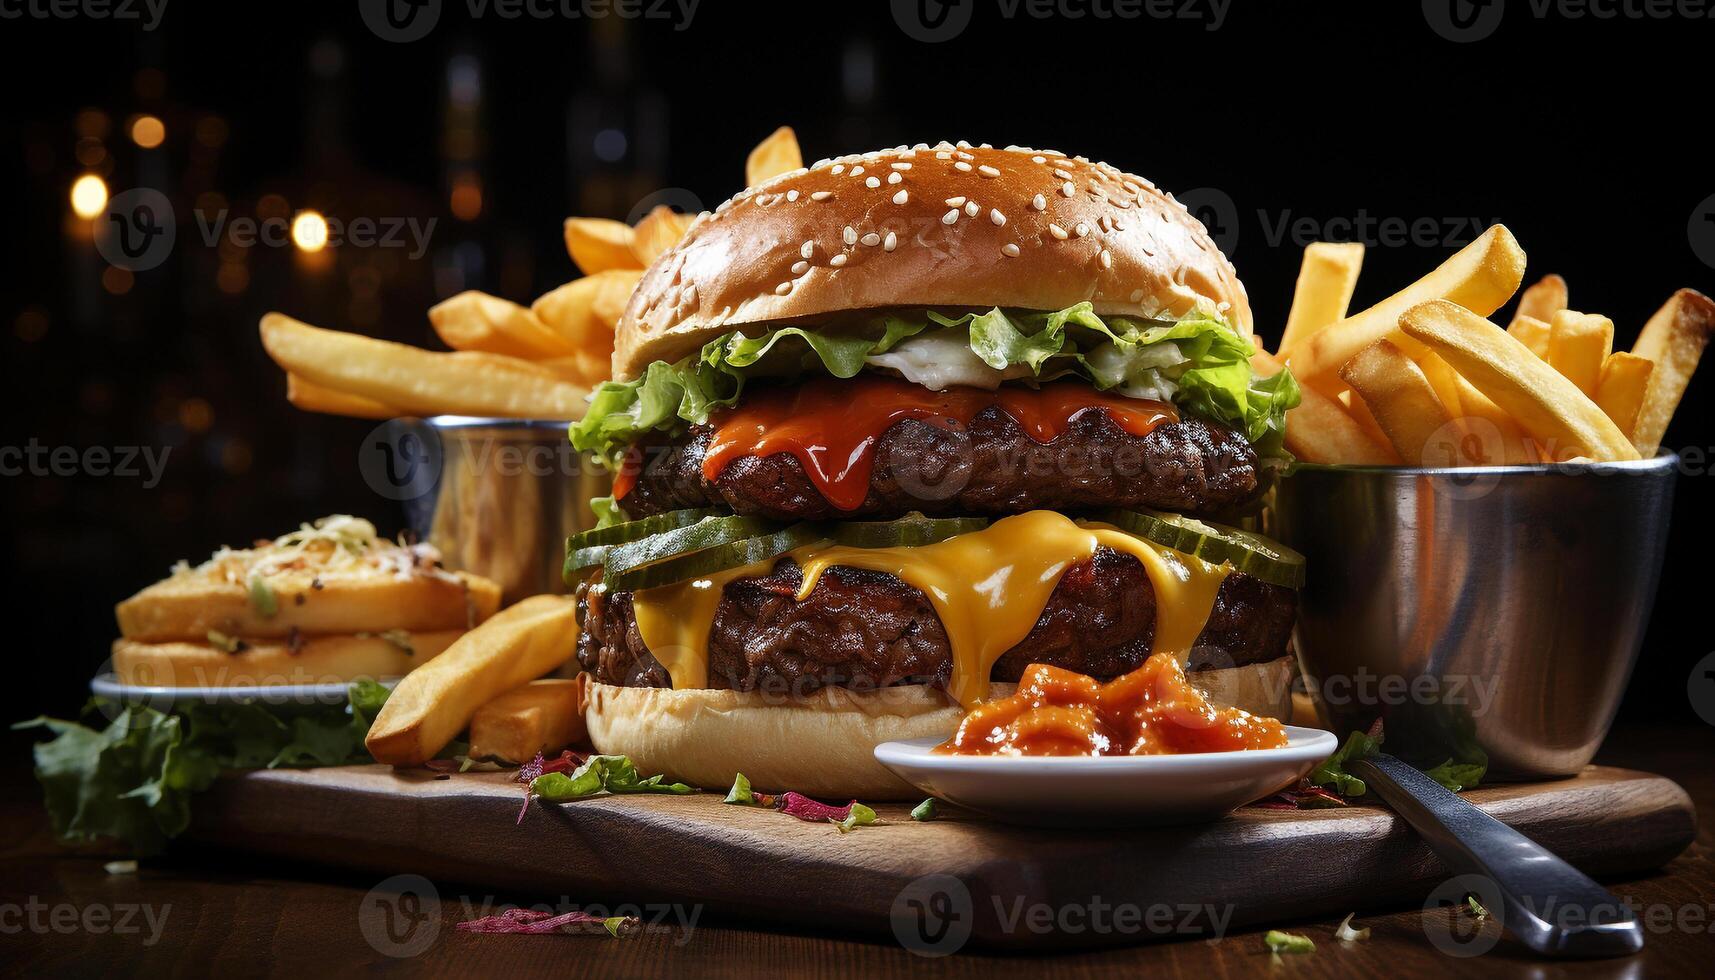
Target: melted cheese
[988,587]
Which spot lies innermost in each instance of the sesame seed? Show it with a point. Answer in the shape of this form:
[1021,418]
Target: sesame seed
[800,267]
[901,197]
[872,182]
[1039,202]
[1039,159]
[857,171]
[1056,231]
[840,260]
[1080,229]
[791,195]
[988,171]
[807,249]
[1009,250]
[890,243]
[1067,189]
[943,155]
[821,195]
[782,289]
[872,239]
[851,235]
[963,144]
[964,156]
[971,208]
[902,166]
[1136,294]
[1107,259]
[962,166]
[839,168]
[997,217]
[894,178]
[950,217]
[954,202]
[1063,175]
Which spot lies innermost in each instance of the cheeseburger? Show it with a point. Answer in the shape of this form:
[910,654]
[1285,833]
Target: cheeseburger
[888,430]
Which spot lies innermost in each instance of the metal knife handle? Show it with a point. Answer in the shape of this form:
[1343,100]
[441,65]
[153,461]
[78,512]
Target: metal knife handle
[1550,906]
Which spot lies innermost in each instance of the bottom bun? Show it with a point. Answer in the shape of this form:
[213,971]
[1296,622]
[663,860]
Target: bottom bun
[316,660]
[824,744]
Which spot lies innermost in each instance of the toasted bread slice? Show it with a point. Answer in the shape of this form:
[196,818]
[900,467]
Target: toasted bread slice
[321,660]
[336,577]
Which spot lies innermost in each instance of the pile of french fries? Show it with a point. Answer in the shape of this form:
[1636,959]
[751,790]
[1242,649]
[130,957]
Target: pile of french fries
[507,360]
[1424,379]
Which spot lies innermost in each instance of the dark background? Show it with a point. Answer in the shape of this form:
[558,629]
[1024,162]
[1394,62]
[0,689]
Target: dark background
[1585,136]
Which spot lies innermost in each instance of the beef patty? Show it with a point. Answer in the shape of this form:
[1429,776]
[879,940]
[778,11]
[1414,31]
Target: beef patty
[866,629]
[991,467]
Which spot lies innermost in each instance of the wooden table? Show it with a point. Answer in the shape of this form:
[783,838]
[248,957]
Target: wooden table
[216,911]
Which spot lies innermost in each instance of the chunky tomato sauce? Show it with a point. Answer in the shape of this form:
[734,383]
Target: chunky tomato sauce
[831,426]
[1154,710]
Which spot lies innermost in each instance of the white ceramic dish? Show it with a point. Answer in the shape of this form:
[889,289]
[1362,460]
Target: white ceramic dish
[1108,791]
[108,686]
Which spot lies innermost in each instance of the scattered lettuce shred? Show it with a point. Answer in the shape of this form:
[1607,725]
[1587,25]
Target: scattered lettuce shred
[844,818]
[1285,942]
[614,774]
[925,811]
[133,780]
[1198,363]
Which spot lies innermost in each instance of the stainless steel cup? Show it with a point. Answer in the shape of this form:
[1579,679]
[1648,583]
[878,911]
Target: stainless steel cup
[1494,611]
[499,497]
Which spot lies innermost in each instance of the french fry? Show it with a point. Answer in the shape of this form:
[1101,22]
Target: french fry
[659,231]
[1674,339]
[542,716]
[1544,298]
[420,382]
[1532,333]
[776,155]
[1326,279]
[599,244]
[1504,445]
[1578,346]
[1480,277]
[476,321]
[1405,405]
[585,311]
[314,398]
[435,702]
[1319,430]
[1562,420]
[1625,379]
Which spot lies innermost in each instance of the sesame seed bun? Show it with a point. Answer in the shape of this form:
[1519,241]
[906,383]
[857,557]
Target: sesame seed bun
[823,744]
[945,227]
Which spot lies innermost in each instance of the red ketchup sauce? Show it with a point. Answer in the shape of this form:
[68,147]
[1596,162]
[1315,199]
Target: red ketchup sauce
[831,426]
[1154,710]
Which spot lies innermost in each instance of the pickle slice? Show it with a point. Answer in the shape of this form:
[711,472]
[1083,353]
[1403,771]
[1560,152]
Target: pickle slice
[588,549]
[639,529]
[1252,554]
[717,558]
[912,530]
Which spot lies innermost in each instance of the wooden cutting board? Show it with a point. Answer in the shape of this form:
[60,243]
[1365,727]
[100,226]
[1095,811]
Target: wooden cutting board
[1257,866]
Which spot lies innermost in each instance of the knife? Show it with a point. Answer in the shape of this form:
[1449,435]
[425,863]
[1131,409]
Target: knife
[1547,904]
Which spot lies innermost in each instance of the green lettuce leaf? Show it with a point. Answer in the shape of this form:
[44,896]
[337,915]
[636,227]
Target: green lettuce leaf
[1198,363]
[1331,772]
[601,773]
[133,780]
